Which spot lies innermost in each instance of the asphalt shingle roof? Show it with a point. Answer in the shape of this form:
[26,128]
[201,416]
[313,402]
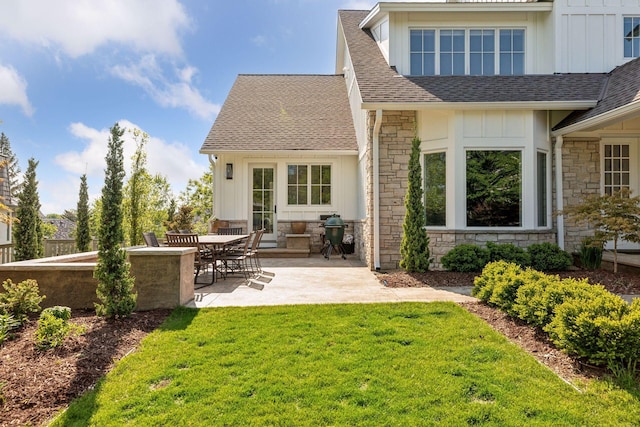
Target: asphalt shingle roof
[380,83]
[623,88]
[284,112]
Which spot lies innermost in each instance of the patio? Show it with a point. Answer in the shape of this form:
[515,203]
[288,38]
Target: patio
[314,280]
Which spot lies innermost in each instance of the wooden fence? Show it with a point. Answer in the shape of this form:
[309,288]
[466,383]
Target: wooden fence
[51,248]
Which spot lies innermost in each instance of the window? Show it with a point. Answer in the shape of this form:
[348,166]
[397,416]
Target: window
[494,188]
[541,190]
[423,52]
[452,52]
[511,52]
[632,36]
[460,51]
[435,188]
[482,52]
[302,185]
[616,168]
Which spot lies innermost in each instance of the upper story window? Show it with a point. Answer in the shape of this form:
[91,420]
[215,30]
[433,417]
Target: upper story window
[632,36]
[461,51]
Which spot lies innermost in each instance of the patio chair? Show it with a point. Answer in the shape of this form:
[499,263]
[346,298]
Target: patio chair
[253,252]
[203,256]
[150,239]
[230,230]
[237,260]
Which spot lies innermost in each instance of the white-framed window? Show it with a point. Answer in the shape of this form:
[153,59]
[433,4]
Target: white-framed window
[541,189]
[435,188]
[494,188]
[616,168]
[308,184]
[631,36]
[466,51]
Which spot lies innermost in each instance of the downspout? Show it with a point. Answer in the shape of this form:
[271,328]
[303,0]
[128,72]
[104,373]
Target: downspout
[559,190]
[376,190]
[212,160]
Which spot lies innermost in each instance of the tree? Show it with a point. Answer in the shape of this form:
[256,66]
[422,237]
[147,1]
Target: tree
[198,196]
[414,247]
[614,216]
[138,192]
[27,232]
[12,164]
[115,284]
[83,235]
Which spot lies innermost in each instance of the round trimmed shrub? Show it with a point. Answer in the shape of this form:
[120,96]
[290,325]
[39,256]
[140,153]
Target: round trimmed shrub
[508,252]
[466,258]
[548,257]
[496,278]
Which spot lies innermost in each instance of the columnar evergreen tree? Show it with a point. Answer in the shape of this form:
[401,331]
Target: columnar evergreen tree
[115,284]
[28,234]
[12,164]
[414,247]
[83,236]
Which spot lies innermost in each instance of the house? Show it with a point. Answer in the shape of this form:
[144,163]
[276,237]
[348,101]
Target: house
[522,107]
[6,215]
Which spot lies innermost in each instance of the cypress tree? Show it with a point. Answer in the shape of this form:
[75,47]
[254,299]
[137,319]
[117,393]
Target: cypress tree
[83,236]
[414,248]
[28,235]
[115,284]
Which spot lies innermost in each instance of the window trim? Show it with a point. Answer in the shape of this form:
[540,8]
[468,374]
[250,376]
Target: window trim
[467,48]
[624,36]
[423,154]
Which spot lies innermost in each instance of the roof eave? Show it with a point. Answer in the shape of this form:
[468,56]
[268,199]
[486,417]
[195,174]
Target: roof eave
[214,151]
[517,105]
[601,120]
[384,8]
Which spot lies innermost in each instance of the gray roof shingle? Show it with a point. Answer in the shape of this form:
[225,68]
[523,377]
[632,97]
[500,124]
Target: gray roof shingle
[380,83]
[623,88]
[284,112]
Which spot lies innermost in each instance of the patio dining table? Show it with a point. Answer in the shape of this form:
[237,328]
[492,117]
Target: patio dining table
[219,241]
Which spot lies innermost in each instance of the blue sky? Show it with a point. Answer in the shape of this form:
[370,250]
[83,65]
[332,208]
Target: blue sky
[70,69]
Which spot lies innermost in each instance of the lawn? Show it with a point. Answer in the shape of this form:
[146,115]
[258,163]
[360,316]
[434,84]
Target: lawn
[360,364]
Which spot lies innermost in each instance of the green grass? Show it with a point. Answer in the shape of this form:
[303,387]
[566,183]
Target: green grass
[380,364]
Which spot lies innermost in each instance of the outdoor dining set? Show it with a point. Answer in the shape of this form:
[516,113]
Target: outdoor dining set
[229,251]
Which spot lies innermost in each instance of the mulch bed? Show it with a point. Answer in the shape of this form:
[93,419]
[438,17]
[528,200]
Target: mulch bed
[35,385]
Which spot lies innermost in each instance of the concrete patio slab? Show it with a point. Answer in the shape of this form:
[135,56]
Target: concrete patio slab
[315,280]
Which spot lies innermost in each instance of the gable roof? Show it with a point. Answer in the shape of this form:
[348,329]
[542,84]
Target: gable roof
[621,99]
[284,112]
[382,87]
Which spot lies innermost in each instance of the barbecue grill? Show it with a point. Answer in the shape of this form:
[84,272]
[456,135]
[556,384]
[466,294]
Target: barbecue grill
[334,232]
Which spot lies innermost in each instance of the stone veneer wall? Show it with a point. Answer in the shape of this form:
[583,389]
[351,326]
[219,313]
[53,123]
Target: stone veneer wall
[396,133]
[580,176]
[441,242]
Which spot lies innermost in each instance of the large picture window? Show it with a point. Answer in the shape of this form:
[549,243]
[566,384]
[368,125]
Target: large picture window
[435,189]
[494,188]
[466,51]
[309,184]
[631,36]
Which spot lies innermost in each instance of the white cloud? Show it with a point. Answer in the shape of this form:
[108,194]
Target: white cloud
[171,160]
[259,40]
[13,89]
[79,27]
[180,93]
[359,5]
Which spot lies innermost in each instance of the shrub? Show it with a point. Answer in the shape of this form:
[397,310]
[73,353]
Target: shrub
[466,258]
[493,275]
[508,252]
[20,299]
[548,257]
[537,299]
[7,324]
[593,326]
[54,327]
[591,253]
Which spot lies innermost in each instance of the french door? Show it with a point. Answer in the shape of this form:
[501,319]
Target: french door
[263,206]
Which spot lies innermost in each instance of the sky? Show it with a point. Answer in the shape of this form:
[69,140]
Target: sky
[70,69]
